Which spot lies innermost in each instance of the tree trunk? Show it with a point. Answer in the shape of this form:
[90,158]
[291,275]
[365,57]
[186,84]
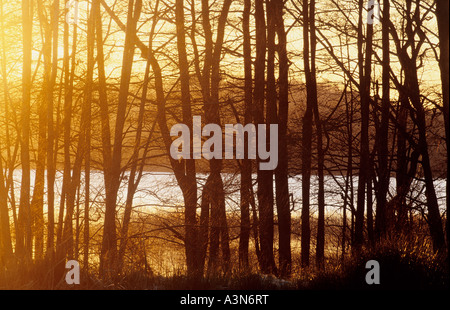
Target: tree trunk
[320,244]
[311,97]
[73,183]
[103,99]
[210,89]
[51,150]
[87,130]
[412,90]
[246,165]
[69,62]
[192,236]
[348,194]
[264,177]
[364,91]
[109,243]
[267,207]
[193,254]
[24,242]
[383,130]
[401,171]
[5,233]
[37,202]
[281,172]
[135,174]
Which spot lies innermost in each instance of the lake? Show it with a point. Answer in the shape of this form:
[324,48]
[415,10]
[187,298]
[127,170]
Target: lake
[159,190]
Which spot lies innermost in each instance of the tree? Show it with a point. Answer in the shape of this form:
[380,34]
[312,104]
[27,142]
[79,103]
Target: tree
[210,78]
[311,98]
[412,91]
[281,172]
[109,242]
[37,203]
[6,249]
[73,180]
[383,130]
[264,177]
[364,64]
[320,245]
[51,147]
[246,165]
[23,240]
[192,250]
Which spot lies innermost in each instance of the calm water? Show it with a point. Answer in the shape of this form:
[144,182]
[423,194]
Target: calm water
[159,190]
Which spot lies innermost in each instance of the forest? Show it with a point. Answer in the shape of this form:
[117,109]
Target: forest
[91,91]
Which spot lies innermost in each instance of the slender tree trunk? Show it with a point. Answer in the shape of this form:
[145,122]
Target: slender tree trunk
[73,184]
[369,200]
[51,156]
[109,242]
[203,234]
[364,91]
[281,172]
[264,177]
[6,250]
[246,165]
[320,244]
[24,242]
[306,140]
[348,194]
[87,143]
[193,258]
[191,188]
[68,63]
[69,70]
[401,166]
[87,194]
[103,99]
[219,238]
[133,181]
[383,153]
[412,90]
[37,203]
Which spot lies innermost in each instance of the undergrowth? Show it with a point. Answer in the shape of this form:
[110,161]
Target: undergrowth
[401,267]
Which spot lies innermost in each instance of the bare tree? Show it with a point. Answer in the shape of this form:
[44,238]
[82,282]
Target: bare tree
[51,147]
[264,177]
[281,172]
[383,131]
[412,91]
[364,65]
[23,238]
[311,98]
[5,233]
[109,243]
[246,165]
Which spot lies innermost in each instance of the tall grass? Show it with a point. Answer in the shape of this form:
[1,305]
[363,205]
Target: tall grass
[404,264]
